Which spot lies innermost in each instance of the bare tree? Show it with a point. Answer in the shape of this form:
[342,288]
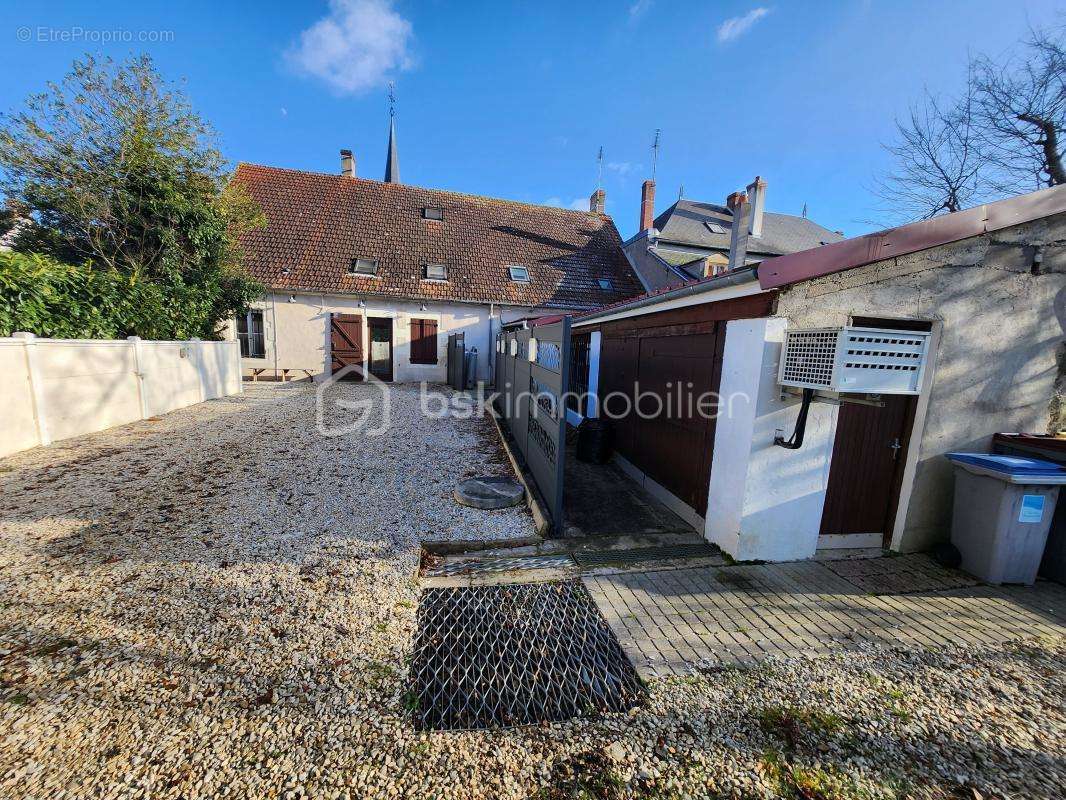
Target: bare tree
[1003,135]
[938,159]
[1021,110]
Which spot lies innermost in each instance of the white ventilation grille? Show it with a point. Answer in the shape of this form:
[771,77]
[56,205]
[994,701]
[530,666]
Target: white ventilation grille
[809,357]
[870,360]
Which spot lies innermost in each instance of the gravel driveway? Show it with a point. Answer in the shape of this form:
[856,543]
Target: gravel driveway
[220,603]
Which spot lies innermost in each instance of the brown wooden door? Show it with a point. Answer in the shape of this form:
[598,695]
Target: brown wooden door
[346,343]
[864,475]
[671,442]
[379,337]
[675,440]
[618,373]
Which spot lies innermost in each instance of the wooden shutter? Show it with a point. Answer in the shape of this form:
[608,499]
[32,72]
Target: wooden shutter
[423,341]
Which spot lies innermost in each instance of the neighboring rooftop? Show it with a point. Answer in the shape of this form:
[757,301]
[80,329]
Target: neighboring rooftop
[708,225]
[923,235]
[319,224]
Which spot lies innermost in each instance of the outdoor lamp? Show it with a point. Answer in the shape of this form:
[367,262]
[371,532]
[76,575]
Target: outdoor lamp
[532,353]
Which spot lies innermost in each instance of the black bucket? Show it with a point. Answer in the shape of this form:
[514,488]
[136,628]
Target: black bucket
[594,441]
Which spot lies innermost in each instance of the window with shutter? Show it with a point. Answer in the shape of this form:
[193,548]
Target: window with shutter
[423,341]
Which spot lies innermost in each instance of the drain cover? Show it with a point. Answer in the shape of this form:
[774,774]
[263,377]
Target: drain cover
[489,493]
[595,558]
[491,656]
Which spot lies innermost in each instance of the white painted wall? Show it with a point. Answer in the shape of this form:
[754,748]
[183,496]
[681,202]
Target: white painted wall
[298,339]
[57,388]
[765,502]
[18,431]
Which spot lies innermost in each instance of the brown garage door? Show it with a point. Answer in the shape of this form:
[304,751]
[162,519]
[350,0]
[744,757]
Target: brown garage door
[672,359]
[662,373]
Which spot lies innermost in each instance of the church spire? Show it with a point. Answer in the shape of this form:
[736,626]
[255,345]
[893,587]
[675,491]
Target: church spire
[392,161]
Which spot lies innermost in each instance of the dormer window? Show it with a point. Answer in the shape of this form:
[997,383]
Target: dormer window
[518,273]
[605,283]
[434,272]
[433,212]
[363,266]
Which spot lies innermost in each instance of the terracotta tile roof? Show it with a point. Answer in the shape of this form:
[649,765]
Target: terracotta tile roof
[317,223]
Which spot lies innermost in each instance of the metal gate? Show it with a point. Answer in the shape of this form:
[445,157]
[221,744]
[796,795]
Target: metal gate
[532,372]
[457,361]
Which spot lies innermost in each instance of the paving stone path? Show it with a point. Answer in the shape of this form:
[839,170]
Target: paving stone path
[671,621]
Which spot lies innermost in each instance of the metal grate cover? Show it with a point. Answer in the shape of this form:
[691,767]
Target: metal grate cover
[594,558]
[492,656]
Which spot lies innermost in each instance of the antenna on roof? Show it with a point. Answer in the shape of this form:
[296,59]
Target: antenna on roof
[599,168]
[681,192]
[392,98]
[805,211]
[655,152]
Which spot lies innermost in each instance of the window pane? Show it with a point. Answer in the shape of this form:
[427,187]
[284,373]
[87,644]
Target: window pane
[363,266]
[250,334]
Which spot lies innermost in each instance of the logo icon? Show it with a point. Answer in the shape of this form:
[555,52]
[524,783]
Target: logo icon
[347,407]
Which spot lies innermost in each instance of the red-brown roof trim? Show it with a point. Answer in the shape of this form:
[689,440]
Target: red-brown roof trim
[850,253]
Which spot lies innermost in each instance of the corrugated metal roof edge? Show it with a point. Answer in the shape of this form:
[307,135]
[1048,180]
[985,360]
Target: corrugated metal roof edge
[827,259]
[738,276]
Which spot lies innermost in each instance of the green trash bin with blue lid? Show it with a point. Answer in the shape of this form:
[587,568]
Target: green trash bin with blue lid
[1003,510]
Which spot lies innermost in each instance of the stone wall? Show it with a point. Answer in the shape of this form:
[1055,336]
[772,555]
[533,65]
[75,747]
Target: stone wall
[998,363]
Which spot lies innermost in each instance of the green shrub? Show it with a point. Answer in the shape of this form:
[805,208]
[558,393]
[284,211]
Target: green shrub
[64,301]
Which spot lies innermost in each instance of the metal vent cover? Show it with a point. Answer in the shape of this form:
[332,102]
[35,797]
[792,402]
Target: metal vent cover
[516,654]
[872,360]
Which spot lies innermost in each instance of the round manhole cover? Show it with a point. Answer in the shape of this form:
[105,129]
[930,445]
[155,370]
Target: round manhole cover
[489,493]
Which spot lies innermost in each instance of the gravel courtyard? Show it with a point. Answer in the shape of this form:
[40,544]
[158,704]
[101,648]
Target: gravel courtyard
[221,602]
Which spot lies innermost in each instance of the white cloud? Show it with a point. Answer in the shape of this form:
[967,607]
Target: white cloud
[623,168]
[577,204]
[639,8]
[738,26]
[355,47]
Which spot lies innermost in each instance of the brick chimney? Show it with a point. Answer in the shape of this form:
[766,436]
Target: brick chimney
[598,202]
[347,164]
[647,205]
[738,236]
[757,198]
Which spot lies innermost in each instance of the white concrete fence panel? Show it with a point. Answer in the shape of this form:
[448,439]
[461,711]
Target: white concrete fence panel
[57,388]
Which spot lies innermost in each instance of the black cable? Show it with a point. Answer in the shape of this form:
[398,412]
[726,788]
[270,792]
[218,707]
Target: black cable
[795,442]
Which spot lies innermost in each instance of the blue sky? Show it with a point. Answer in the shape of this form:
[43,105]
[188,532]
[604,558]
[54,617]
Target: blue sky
[513,99]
